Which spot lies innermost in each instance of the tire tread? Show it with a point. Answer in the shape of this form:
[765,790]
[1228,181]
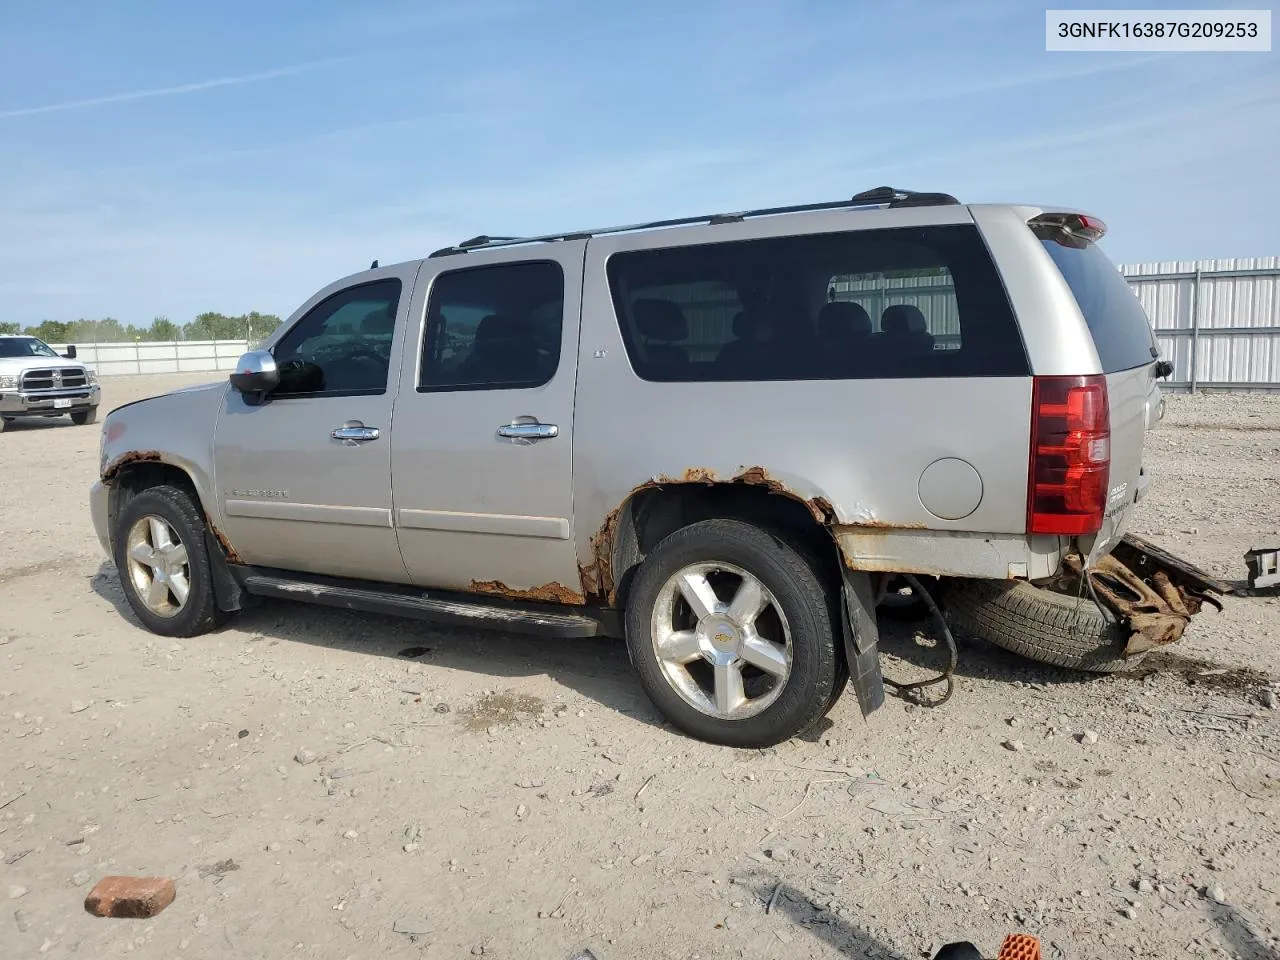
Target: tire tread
[1037,623]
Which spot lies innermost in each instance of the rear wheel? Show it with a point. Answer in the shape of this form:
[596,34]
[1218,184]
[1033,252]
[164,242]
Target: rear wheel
[86,415]
[1050,627]
[732,635]
[163,563]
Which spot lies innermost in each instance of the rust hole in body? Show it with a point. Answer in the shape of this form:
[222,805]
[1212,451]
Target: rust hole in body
[133,456]
[547,593]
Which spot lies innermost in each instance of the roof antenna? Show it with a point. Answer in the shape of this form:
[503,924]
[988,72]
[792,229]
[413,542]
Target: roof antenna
[374,265]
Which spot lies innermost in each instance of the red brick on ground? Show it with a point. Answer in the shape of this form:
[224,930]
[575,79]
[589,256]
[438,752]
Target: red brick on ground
[135,897]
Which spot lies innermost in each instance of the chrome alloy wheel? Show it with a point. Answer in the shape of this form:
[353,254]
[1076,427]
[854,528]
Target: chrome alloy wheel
[722,640]
[158,566]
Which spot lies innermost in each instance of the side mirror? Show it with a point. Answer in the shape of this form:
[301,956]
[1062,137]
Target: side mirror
[1164,368]
[255,375]
[71,352]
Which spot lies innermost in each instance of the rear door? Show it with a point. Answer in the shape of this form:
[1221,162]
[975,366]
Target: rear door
[1127,350]
[482,451]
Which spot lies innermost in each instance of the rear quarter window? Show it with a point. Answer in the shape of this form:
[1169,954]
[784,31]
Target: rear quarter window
[1119,326]
[910,302]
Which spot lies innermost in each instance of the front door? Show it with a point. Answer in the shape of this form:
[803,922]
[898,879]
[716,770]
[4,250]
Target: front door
[481,459]
[304,479]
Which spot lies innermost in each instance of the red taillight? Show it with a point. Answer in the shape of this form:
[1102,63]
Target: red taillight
[1070,455]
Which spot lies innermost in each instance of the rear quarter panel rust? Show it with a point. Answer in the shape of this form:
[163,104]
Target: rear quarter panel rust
[854,450]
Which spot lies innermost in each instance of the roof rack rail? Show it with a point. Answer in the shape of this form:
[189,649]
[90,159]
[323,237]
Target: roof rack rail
[880,196]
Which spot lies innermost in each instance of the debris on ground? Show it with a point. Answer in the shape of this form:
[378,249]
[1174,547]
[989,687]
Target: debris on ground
[412,926]
[130,897]
[216,871]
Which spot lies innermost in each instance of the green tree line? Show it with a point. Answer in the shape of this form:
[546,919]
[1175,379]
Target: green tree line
[207,326]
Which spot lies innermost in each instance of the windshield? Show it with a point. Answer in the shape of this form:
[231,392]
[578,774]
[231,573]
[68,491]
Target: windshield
[24,347]
[1121,332]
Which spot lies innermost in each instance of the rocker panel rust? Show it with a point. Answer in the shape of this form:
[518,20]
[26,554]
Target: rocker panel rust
[547,593]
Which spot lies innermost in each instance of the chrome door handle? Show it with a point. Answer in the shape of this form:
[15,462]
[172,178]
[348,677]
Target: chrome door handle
[354,432]
[528,431]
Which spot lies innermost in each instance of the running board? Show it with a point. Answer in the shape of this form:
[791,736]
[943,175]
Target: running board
[439,606]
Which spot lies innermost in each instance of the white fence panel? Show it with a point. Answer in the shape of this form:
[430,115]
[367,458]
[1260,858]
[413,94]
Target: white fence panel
[1218,321]
[163,356]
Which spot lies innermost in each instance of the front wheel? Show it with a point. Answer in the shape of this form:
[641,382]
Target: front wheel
[733,635]
[87,415]
[163,563]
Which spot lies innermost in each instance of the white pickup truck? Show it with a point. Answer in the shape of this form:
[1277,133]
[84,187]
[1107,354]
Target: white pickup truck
[37,381]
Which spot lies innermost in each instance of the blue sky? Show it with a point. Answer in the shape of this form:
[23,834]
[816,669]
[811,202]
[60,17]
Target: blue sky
[163,158]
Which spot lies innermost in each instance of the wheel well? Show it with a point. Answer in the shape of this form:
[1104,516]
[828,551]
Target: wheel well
[133,478]
[651,515]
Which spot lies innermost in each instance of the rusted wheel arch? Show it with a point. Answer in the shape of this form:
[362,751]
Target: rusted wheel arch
[657,509]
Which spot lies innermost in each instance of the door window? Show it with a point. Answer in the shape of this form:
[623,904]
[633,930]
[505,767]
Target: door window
[493,328]
[342,346]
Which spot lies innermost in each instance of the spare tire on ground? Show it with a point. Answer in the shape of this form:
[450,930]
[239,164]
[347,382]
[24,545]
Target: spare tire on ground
[1038,623]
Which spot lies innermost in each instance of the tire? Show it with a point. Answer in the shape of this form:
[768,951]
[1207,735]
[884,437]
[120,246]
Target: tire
[87,415]
[795,602]
[174,507]
[1037,623]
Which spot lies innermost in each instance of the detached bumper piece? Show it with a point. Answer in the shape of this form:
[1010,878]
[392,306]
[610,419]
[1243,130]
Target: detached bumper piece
[1264,568]
[1152,593]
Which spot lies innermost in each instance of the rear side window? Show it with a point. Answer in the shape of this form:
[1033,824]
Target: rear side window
[493,328]
[1121,332]
[904,302]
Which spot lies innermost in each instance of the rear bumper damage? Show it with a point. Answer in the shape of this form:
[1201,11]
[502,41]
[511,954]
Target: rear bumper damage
[1151,593]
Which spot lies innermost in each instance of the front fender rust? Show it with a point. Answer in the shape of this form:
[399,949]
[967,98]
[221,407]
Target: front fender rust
[597,575]
[547,593]
[227,548]
[110,471]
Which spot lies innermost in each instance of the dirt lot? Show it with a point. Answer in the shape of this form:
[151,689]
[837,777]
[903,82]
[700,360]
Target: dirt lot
[477,794]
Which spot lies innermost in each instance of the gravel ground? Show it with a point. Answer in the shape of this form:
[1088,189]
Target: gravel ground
[330,785]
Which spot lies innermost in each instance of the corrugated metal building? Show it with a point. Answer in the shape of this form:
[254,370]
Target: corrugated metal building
[1217,320]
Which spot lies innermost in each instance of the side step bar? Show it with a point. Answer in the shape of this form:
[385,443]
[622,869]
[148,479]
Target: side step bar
[461,609]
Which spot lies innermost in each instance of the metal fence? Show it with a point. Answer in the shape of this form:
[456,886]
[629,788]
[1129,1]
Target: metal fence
[1218,321]
[159,356]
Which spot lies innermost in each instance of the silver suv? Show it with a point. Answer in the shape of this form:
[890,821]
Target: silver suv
[720,437]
